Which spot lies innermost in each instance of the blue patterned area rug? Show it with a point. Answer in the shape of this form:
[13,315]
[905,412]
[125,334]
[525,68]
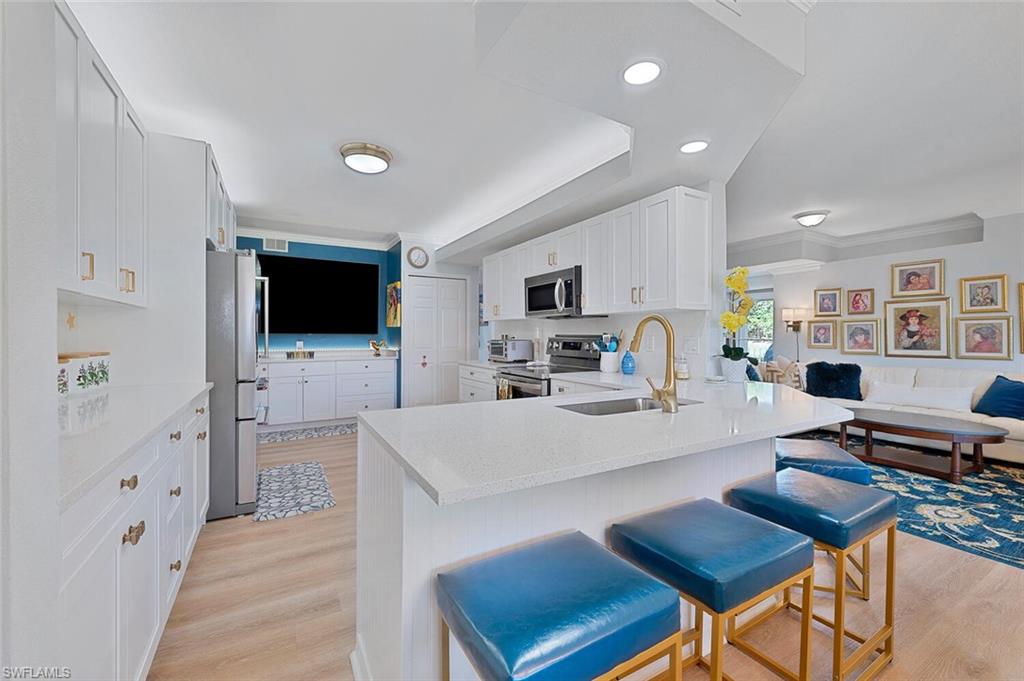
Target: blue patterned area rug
[291,490]
[984,515]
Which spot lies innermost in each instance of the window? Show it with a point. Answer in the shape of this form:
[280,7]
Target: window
[757,335]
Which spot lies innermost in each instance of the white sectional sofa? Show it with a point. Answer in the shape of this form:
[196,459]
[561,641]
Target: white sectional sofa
[978,381]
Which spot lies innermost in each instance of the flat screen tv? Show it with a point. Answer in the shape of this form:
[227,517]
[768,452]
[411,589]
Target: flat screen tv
[321,296]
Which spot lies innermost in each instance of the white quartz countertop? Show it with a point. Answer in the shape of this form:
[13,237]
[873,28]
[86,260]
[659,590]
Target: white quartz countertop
[135,414]
[458,452]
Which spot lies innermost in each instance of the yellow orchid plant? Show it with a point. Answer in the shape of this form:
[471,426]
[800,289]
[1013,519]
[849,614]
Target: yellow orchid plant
[734,318]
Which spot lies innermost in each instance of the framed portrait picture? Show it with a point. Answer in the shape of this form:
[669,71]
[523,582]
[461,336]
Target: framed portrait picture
[986,293]
[859,336]
[921,278]
[860,301]
[917,328]
[821,334]
[984,337]
[393,311]
[828,302]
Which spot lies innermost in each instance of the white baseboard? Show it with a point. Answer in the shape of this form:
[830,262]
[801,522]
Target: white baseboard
[360,667]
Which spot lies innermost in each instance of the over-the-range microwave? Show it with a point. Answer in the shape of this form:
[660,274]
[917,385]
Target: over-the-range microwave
[555,294]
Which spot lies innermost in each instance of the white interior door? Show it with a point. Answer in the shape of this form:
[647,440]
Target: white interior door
[435,309]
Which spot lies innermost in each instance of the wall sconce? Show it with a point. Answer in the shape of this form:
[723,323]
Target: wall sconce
[794,317]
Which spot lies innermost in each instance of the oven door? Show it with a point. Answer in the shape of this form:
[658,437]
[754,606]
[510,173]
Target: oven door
[519,387]
[554,294]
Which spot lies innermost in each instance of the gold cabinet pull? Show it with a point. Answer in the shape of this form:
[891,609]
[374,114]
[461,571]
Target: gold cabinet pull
[131,483]
[92,266]
[123,271]
[641,295]
[176,492]
[201,410]
[201,436]
[176,565]
[176,435]
[131,288]
[220,235]
[632,295]
[134,533]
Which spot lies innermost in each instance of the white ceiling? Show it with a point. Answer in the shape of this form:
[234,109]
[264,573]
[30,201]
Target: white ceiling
[908,113]
[276,88]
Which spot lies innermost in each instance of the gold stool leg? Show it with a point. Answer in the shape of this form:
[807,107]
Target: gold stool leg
[838,618]
[890,586]
[446,672]
[806,617]
[717,636]
[865,571]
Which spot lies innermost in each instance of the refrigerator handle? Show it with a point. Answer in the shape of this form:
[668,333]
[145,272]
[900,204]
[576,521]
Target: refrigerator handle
[266,314]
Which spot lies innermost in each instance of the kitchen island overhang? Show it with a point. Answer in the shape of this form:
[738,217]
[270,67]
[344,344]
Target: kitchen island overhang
[441,485]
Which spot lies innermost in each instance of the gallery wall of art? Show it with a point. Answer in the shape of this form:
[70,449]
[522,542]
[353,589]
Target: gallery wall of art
[948,307]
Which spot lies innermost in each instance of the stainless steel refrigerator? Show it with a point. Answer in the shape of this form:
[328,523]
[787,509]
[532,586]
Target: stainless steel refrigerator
[231,365]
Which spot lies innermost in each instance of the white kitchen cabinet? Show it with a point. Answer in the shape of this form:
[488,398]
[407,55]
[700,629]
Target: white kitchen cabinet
[285,400]
[512,301]
[562,387]
[191,521]
[101,174]
[213,226]
[623,258]
[138,580]
[318,398]
[491,278]
[131,242]
[556,251]
[202,486]
[568,247]
[122,541]
[476,391]
[656,277]
[595,235]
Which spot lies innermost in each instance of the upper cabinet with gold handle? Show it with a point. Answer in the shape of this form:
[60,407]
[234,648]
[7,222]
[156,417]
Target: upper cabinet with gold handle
[176,435]
[131,483]
[176,492]
[134,533]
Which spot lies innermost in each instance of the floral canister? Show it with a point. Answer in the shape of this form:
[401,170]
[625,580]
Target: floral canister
[83,372]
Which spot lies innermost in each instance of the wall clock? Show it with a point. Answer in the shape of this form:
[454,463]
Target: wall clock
[417,257]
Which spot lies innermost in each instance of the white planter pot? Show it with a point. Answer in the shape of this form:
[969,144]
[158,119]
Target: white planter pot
[733,371]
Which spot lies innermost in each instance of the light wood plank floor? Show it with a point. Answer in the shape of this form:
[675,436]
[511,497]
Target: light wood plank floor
[276,600]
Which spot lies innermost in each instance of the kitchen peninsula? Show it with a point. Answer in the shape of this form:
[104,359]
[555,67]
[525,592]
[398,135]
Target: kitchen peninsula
[443,484]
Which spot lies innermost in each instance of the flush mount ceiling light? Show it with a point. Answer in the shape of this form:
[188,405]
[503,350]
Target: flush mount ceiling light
[366,158]
[811,218]
[694,147]
[641,73]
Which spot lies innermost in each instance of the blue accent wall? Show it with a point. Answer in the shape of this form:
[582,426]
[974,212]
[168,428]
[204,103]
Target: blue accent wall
[328,341]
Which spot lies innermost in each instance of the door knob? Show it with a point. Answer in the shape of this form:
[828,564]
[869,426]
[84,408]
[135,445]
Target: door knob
[176,565]
[134,533]
[131,483]
[176,435]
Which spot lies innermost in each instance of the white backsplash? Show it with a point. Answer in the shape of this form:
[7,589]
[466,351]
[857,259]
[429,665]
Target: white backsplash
[690,329]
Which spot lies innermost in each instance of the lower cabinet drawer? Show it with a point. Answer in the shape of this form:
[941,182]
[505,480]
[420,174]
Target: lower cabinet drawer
[348,407]
[375,384]
[475,373]
[473,391]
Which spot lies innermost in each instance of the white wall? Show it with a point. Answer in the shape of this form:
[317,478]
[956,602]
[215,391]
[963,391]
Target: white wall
[29,469]
[1001,251]
[166,341]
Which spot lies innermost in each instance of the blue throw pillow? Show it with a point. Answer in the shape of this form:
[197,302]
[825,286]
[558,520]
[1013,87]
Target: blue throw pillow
[1004,397]
[825,379]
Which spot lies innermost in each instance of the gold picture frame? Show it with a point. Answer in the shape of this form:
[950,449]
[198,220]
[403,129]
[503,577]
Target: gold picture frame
[984,294]
[849,343]
[814,338]
[828,302]
[1020,317]
[977,337]
[864,299]
[904,339]
[912,279]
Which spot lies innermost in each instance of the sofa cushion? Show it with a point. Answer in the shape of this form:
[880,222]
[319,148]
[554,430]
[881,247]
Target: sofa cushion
[825,379]
[1015,426]
[1004,398]
[953,399]
[977,379]
[895,375]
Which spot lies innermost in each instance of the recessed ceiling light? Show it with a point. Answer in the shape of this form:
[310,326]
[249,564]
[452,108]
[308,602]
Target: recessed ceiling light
[694,147]
[811,218]
[366,158]
[641,73]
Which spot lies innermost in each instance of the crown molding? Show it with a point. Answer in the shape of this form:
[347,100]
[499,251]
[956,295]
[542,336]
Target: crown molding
[915,231]
[258,225]
[309,239]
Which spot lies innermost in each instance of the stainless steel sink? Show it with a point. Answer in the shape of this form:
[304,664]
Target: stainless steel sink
[625,406]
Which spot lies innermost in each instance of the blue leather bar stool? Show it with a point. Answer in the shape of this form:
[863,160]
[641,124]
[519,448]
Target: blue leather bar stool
[826,458]
[723,562]
[840,516]
[557,609]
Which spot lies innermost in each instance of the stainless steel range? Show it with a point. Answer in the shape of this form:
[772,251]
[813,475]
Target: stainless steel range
[567,354]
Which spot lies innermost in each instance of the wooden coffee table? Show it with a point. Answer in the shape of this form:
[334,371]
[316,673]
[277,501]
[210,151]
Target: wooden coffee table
[955,431]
